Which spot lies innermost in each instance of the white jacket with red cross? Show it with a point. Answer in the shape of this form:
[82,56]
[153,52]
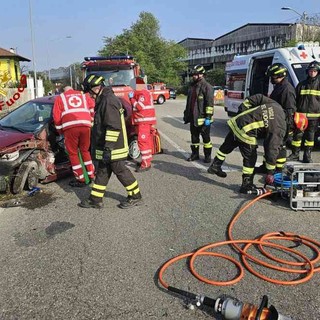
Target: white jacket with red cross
[143,111]
[73,109]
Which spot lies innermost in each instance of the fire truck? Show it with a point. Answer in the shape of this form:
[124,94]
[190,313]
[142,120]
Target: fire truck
[159,92]
[120,72]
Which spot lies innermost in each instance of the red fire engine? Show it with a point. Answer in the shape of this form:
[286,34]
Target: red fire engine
[159,92]
[119,71]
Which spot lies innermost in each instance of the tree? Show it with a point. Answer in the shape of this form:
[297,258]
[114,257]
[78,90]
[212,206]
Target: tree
[160,59]
[216,77]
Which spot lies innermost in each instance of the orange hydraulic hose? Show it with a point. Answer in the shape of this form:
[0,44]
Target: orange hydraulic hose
[307,264]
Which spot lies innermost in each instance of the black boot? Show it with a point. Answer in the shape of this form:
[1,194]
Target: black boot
[307,155]
[195,153]
[215,168]
[261,169]
[294,156]
[131,201]
[247,184]
[207,155]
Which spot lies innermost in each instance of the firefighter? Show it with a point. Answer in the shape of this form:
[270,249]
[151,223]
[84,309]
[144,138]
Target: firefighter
[144,118]
[73,115]
[283,93]
[199,113]
[264,120]
[308,102]
[109,145]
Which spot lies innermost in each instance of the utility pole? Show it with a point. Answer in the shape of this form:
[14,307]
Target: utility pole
[33,52]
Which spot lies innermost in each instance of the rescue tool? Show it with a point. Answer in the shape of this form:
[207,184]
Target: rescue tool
[233,309]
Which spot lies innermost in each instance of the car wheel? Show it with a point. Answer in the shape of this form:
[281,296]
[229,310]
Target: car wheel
[161,99]
[25,177]
[134,151]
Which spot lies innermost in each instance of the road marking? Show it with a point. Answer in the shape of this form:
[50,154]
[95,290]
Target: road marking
[186,154]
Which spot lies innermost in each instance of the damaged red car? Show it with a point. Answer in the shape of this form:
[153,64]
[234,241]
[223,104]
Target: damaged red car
[31,150]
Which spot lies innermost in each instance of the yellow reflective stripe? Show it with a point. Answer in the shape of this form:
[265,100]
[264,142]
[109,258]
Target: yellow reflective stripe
[200,121]
[281,160]
[246,103]
[119,156]
[312,115]
[253,125]
[280,165]
[132,186]
[310,92]
[99,187]
[111,139]
[135,191]
[97,194]
[195,144]
[240,133]
[113,133]
[221,153]
[309,143]
[207,145]
[296,143]
[270,166]
[247,170]
[209,110]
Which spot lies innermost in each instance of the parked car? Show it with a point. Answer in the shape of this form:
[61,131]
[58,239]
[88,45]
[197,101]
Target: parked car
[173,93]
[32,151]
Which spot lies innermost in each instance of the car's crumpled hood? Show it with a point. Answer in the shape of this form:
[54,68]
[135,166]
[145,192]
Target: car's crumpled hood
[8,138]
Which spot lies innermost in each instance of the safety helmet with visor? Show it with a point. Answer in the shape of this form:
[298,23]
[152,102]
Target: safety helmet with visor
[198,69]
[314,65]
[277,70]
[91,81]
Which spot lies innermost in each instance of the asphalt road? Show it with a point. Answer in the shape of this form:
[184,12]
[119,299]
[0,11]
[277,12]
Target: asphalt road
[59,261]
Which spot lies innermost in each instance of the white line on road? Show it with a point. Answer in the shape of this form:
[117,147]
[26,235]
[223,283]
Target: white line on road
[186,154]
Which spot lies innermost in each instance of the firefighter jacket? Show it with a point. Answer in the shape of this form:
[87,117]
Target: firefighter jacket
[285,94]
[109,128]
[72,109]
[308,97]
[262,121]
[199,103]
[143,111]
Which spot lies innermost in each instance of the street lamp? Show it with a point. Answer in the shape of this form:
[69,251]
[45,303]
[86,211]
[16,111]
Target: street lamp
[303,17]
[33,53]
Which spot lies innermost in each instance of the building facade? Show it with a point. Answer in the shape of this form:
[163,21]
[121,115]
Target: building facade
[250,38]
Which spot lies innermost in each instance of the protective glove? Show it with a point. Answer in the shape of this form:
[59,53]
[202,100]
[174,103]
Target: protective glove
[106,155]
[269,179]
[207,122]
[131,94]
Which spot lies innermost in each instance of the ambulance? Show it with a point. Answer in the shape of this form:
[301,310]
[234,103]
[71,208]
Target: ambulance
[246,74]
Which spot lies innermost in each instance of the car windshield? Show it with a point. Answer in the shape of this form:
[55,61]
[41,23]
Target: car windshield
[115,77]
[30,117]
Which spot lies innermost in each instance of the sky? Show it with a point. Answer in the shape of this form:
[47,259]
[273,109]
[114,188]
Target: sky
[65,31]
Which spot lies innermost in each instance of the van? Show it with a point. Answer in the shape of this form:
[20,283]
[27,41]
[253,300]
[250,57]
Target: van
[246,74]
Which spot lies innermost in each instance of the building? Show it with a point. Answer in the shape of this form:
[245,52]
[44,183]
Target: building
[10,65]
[249,38]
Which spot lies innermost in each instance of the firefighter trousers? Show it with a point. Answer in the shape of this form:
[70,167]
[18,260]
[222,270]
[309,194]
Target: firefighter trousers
[308,134]
[248,152]
[204,131]
[145,142]
[77,140]
[103,175]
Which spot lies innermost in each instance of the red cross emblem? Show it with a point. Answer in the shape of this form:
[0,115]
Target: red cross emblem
[303,55]
[74,101]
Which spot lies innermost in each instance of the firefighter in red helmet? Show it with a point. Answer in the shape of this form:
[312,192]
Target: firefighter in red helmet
[144,118]
[73,115]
